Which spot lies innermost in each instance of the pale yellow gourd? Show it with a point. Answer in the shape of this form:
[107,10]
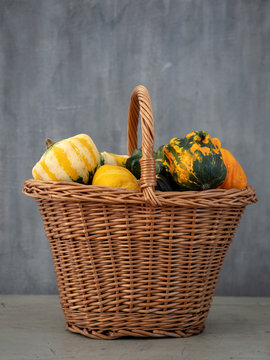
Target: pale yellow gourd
[113,159]
[72,159]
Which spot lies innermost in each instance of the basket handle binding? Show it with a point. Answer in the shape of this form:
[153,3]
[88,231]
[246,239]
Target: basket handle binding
[140,104]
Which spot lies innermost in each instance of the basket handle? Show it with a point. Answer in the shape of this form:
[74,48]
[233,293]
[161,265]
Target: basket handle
[140,104]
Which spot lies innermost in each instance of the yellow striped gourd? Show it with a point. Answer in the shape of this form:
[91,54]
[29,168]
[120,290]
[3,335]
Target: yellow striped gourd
[73,159]
[113,159]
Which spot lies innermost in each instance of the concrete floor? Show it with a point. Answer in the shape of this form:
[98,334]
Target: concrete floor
[33,327]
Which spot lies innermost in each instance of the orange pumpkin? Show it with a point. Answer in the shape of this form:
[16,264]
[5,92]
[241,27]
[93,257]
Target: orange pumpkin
[236,177]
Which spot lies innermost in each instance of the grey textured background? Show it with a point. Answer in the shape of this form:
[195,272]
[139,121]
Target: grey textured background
[69,66]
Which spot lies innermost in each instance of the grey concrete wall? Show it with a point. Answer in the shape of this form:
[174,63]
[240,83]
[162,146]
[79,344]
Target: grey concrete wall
[69,66]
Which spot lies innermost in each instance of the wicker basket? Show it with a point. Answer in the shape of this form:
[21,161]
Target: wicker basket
[132,263]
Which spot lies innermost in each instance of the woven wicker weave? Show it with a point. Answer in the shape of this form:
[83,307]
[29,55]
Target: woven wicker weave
[132,263]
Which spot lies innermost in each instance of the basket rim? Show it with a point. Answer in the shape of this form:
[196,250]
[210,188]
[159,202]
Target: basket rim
[75,192]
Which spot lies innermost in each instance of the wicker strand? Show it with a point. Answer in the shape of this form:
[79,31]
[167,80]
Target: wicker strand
[140,104]
[70,192]
[111,335]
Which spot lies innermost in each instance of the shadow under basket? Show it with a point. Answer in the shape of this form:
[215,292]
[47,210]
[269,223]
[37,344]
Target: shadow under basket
[131,263]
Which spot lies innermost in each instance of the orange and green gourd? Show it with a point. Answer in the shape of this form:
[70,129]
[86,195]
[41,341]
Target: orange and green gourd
[194,162]
[236,177]
[72,159]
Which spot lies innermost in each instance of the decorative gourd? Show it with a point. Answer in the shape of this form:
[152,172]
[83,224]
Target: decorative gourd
[159,153]
[163,183]
[113,159]
[133,162]
[73,159]
[194,162]
[115,176]
[236,177]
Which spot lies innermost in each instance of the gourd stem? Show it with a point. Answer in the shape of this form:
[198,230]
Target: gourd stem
[49,142]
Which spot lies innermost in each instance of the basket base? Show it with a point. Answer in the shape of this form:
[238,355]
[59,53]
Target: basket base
[110,335]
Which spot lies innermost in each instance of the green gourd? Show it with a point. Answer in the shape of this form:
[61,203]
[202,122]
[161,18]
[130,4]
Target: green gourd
[194,162]
[133,162]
